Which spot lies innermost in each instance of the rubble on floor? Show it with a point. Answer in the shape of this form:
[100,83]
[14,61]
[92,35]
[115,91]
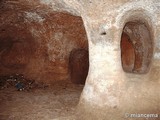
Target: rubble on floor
[20,83]
[57,102]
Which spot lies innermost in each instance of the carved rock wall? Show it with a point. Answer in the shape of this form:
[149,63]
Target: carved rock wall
[109,92]
[37,42]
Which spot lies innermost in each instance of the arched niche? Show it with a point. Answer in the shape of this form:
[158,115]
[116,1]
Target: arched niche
[136,47]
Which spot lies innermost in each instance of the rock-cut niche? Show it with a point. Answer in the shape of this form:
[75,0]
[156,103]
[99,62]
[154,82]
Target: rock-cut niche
[136,47]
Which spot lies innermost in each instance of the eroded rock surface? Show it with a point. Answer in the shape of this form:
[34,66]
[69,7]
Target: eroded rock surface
[36,41]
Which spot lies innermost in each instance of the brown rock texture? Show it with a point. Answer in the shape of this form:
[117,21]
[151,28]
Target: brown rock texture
[36,41]
[127,53]
[79,65]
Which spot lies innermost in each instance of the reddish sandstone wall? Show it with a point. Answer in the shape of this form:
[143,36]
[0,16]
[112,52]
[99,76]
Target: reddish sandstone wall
[127,53]
[37,43]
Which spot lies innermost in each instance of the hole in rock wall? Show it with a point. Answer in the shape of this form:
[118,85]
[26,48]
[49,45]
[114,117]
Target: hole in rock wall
[39,50]
[54,50]
[103,33]
[79,65]
[136,47]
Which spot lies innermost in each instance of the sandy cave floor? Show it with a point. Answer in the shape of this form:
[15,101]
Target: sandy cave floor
[56,102]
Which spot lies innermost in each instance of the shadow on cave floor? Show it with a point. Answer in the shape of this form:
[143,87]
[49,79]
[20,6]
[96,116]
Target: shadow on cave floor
[58,101]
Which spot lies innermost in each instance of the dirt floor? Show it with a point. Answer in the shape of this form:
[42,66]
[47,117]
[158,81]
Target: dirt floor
[55,102]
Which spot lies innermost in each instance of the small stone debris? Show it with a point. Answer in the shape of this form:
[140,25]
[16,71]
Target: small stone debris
[19,82]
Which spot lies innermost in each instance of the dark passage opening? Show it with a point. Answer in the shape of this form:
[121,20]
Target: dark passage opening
[79,65]
[136,47]
[35,51]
